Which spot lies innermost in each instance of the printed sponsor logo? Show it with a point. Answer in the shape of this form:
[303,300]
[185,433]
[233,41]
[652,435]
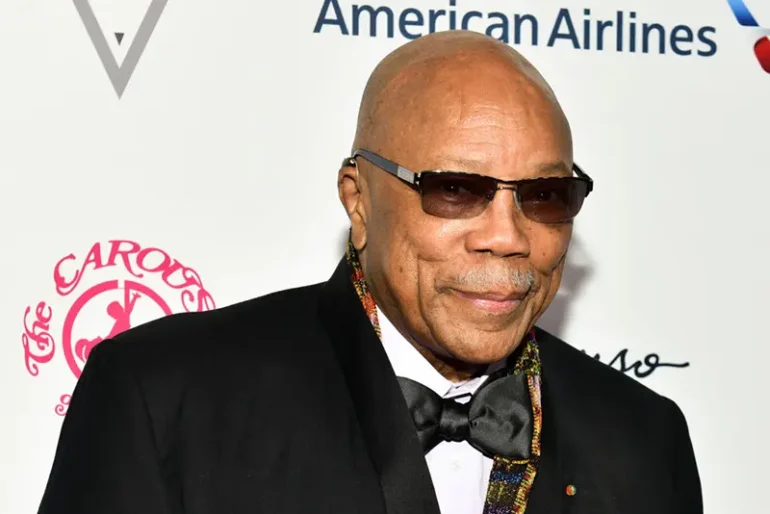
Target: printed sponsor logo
[594,29]
[120,74]
[639,368]
[116,285]
[759,34]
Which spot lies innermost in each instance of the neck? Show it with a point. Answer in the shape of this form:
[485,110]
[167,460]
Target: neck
[452,369]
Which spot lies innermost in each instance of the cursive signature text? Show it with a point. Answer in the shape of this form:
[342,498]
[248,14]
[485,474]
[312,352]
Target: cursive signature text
[640,368]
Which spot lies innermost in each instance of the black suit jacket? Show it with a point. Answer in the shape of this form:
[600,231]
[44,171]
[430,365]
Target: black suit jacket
[288,404]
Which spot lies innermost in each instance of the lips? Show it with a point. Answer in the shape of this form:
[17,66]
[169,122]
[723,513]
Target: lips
[496,302]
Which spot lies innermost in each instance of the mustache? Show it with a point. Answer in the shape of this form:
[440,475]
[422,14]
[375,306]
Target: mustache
[481,279]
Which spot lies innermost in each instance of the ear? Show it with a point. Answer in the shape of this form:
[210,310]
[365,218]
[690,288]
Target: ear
[351,188]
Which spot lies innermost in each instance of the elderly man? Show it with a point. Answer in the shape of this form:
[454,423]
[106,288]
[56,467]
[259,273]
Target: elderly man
[414,380]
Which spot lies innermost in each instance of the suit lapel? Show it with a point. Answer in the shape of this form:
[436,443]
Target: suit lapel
[548,492]
[382,414]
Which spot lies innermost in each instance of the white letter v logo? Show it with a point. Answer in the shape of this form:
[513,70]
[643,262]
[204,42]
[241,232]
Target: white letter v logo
[120,75]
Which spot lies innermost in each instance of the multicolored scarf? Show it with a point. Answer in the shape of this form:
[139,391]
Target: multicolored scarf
[510,481]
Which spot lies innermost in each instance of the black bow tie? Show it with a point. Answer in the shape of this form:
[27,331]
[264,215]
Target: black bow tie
[497,421]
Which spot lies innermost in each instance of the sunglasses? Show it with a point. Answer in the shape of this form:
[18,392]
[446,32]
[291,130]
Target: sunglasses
[458,195]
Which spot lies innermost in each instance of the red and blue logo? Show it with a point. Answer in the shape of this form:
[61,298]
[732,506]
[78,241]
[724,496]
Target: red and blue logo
[746,19]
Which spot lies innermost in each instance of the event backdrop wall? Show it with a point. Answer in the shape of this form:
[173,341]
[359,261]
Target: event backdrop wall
[158,156]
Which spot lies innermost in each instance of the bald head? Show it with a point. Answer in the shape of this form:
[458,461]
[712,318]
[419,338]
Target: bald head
[441,70]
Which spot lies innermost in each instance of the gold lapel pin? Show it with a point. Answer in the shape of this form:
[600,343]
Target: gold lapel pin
[571,490]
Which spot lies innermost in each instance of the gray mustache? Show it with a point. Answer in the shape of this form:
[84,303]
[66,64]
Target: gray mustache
[480,279]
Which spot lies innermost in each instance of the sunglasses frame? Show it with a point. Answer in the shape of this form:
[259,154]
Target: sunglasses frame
[413,179]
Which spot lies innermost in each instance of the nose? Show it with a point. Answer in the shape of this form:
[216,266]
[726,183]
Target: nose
[499,228]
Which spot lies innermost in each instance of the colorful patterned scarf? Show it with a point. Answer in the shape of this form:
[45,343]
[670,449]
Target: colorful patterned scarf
[510,481]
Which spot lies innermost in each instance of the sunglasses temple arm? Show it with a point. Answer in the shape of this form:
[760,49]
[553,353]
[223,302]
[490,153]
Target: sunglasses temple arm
[582,174]
[391,167]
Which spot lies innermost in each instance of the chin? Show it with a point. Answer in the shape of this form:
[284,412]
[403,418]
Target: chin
[476,336]
[478,347]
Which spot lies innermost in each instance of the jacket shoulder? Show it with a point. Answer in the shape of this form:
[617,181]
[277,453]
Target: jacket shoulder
[193,361]
[266,313]
[585,374]
[220,339]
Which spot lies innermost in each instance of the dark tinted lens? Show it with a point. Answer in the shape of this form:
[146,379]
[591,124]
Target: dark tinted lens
[552,200]
[455,195]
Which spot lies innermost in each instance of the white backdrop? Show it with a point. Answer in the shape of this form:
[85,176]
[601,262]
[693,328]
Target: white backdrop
[216,168]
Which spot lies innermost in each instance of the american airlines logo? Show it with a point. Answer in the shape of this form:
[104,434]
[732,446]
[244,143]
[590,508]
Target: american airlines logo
[120,74]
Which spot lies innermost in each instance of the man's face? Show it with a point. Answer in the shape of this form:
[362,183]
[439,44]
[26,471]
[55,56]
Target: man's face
[466,289]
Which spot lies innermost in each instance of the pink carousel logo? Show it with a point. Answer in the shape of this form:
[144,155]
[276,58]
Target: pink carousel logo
[116,285]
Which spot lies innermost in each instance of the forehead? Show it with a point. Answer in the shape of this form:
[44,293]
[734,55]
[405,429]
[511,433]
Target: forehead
[486,119]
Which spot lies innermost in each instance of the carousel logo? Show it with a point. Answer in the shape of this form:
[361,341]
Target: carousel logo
[115,286]
[746,19]
[120,74]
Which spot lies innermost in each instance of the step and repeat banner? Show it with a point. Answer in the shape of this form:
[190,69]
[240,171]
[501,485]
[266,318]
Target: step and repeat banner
[163,156]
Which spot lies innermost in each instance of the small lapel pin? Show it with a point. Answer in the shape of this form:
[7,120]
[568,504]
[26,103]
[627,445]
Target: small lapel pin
[571,490]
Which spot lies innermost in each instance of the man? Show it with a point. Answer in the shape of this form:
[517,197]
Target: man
[413,381]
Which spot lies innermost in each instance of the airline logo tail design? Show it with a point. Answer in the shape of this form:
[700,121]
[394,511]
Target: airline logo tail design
[746,19]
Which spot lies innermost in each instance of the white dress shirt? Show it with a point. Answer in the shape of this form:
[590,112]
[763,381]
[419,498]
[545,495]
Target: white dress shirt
[459,472]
